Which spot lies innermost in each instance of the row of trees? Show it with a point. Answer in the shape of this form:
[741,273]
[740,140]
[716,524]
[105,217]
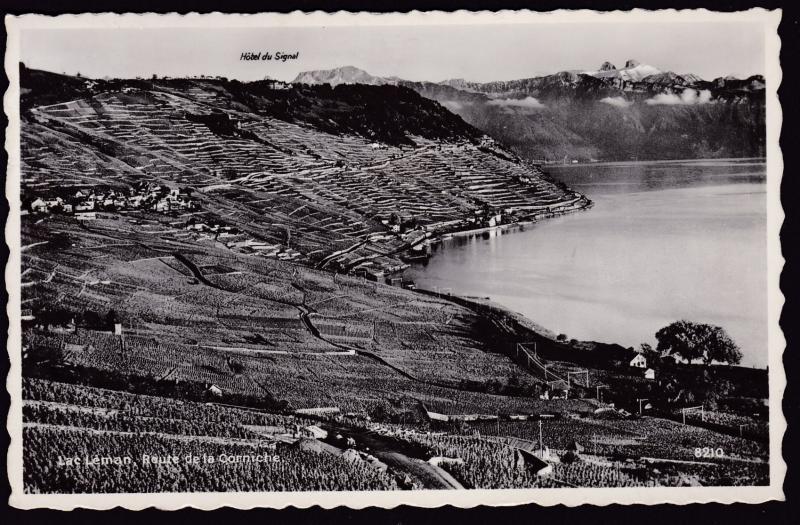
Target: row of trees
[53,315]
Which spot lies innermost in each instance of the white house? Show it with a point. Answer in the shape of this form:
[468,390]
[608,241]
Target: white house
[215,390]
[52,203]
[639,361]
[38,206]
[495,219]
[649,374]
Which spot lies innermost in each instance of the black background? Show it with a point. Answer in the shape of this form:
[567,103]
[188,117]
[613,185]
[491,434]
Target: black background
[708,514]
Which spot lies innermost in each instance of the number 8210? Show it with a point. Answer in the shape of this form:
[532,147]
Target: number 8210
[709,452]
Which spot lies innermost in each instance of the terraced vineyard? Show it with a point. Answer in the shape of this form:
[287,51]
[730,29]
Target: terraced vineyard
[273,176]
[200,308]
[263,328]
[252,451]
[486,461]
[645,437]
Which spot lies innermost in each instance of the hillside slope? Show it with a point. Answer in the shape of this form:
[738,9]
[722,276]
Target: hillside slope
[387,114]
[317,169]
[203,215]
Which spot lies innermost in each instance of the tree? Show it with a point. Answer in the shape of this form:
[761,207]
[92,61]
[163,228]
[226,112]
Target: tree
[379,413]
[55,316]
[492,386]
[111,319]
[92,320]
[692,341]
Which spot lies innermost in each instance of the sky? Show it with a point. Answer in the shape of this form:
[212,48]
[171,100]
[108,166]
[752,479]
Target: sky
[475,52]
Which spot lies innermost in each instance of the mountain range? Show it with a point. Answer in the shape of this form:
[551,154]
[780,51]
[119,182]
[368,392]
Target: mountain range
[634,112]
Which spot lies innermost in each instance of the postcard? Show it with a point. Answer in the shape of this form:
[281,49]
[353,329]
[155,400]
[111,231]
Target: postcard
[353,259]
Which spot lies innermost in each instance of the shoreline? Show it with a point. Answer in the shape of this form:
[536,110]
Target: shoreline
[584,204]
[494,311]
[489,309]
[518,324]
[653,161]
[468,265]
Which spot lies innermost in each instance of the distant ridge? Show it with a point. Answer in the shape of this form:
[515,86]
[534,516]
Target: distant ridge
[635,112]
[340,75]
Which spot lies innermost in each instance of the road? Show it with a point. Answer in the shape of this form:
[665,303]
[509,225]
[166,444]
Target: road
[401,456]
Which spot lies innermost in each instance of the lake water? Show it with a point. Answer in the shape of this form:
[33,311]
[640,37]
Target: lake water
[664,241]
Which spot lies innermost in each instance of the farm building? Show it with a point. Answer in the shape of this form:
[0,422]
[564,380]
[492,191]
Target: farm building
[214,390]
[639,361]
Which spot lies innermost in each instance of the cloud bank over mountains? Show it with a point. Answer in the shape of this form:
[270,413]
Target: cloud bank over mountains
[524,103]
[620,102]
[689,97]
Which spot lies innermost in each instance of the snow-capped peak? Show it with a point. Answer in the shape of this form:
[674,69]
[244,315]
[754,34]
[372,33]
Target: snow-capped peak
[633,71]
[692,78]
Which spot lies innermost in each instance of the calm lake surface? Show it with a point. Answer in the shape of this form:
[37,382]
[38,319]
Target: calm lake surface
[664,241]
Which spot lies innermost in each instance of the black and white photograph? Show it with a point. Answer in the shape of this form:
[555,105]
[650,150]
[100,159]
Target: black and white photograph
[365,259]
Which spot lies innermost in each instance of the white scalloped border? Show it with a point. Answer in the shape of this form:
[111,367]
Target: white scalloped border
[423,498]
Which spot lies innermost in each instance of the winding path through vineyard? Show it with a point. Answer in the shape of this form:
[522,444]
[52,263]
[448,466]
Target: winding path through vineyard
[400,457]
